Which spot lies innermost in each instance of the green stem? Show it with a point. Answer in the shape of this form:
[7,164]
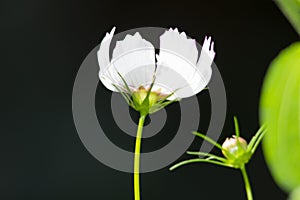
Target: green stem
[247,183]
[137,157]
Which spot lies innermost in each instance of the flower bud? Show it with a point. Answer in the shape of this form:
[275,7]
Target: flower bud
[234,147]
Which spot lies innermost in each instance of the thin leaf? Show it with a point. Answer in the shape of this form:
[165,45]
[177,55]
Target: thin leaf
[146,100]
[125,83]
[125,96]
[237,132]
[208,139]
[206,154]
[160,106]
[199,160]
[255,137]
[166,97]
[236,126]
[257,142]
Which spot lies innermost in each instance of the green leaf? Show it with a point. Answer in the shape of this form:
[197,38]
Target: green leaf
[280,111]
[196,160]
[295,195]
[236,126]
[125,95]
[160,105]
[257,137]
[208,139]
[291,9]
[207,155]
[125,83]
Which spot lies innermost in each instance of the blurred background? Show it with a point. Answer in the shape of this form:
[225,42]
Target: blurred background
[43,44]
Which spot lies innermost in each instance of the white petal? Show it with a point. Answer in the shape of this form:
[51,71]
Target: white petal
[103,59]
[134,59]
[181,79]
[178,43]
[176,66]
[205,61]
[208,47]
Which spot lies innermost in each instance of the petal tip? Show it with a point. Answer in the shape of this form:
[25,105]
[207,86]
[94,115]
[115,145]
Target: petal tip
[113,30]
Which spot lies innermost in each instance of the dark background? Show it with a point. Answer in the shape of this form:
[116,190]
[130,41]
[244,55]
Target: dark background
[42,46]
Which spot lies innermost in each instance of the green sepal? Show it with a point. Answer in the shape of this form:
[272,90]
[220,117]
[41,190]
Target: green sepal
[142,100]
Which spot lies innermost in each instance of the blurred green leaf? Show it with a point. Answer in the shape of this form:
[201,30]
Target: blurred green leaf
[280,111]
[295,195]
[291,9]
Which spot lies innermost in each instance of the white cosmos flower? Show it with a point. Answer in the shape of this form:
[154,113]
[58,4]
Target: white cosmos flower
[178,68]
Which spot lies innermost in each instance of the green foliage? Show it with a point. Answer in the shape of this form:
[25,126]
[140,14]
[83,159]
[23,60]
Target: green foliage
[280,112]
[295,195]
[291,8]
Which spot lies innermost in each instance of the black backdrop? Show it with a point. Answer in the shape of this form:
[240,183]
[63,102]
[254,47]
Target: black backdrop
[42,46]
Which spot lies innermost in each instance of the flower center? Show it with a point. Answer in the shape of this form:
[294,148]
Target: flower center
[145,99]
[140,95]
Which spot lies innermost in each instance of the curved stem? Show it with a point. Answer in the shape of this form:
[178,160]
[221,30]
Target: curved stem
[137,158]
[247,183]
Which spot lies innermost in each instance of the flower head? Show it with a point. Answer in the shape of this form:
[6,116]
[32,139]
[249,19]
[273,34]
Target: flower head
[235,146]
[235,150]
[148,81]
